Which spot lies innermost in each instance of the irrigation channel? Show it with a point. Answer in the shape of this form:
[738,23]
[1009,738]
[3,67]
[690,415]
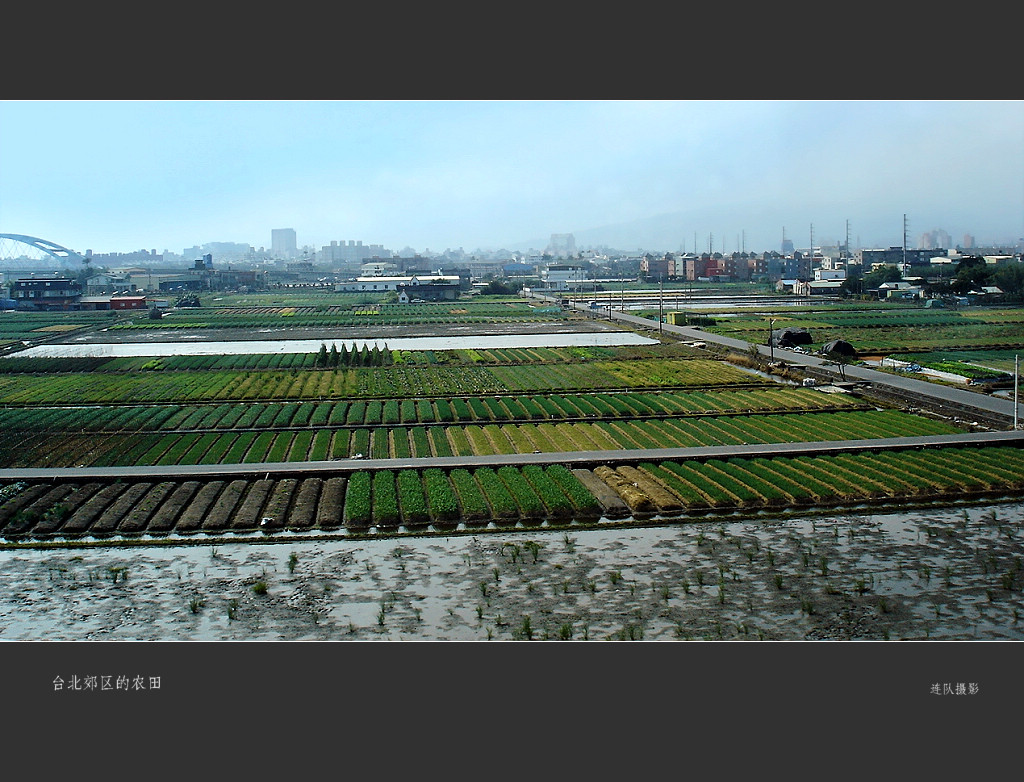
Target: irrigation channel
[929,573]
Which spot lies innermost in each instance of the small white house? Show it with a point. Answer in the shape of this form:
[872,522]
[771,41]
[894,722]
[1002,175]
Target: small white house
[818,288]
[898,290]
[830,274]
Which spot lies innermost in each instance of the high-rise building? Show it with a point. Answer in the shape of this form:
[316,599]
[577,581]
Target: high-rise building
[353,252]
[283,242]
[562,245]
[937,239]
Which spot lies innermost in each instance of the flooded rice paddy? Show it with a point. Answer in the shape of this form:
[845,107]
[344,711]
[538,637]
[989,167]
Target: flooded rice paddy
[925,574]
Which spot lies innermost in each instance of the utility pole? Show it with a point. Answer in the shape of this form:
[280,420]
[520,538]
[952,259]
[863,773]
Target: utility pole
[1016,372]
[661,305]
[904,246]
[771,342]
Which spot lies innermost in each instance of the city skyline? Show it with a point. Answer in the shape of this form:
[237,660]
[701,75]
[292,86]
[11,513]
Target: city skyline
[117,176]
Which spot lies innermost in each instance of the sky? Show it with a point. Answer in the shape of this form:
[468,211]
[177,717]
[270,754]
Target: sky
[119,176]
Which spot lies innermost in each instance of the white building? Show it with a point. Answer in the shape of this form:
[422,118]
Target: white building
[562,276]
[818,288]
[385,284]
[829,274]
[377,269]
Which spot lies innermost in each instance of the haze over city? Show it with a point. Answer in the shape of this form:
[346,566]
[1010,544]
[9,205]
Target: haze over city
[117,176]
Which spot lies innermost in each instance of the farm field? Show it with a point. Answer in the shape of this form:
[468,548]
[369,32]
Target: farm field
[384,381]
[934,573]
[986,362]
[501,401]
[884,329]
[21,446]
[343,310]
[19,327]
[382,404]
[769,548]
[414,499]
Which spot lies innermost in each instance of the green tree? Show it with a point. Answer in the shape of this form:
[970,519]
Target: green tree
[321,356]
[971,272]
[1009,278]
[879,276]
[500,288]
[841,360]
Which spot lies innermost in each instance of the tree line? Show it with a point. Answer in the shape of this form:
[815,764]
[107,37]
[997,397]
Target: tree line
[364,357]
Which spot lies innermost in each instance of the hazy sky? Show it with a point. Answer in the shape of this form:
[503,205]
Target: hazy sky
[127,175]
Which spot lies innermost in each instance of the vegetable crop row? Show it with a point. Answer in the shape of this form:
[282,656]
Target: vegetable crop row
[382,442]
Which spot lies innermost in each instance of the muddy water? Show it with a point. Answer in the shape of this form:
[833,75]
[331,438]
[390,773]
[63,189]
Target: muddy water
[943,574]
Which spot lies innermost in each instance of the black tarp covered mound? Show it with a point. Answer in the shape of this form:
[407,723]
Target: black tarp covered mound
[840,347]
[788,337]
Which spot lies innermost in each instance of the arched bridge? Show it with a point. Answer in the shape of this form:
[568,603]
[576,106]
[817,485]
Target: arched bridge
[50,248]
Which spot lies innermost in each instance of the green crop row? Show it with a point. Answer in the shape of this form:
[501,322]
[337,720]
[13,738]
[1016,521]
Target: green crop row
[391,498]
[384,442]
[832,479]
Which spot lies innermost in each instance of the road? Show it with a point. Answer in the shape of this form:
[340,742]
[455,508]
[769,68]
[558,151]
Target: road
[569,459]
[946,394]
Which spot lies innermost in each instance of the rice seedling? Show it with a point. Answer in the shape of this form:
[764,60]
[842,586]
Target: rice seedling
[525,631]
[513,551]
[534,548]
